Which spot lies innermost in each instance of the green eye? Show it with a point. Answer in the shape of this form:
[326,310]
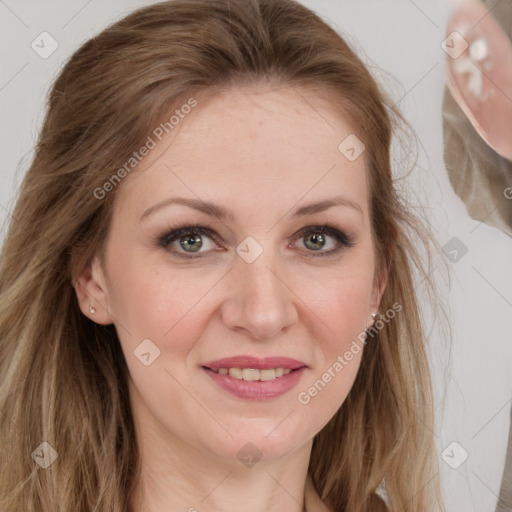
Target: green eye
[191,243]
[188,240]
[317,241]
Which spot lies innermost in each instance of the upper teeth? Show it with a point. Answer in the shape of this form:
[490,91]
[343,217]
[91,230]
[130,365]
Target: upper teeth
[251,374]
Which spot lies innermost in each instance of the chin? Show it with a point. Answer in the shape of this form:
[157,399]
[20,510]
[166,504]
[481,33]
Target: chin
[250,440]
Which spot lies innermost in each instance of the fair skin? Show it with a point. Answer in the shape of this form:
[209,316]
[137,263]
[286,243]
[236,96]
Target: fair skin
[263,153]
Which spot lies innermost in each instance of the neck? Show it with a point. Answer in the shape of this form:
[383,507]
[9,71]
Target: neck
[184,480]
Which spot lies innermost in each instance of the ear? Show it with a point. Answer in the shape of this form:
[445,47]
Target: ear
[479,69]
[380,281]
[91,291]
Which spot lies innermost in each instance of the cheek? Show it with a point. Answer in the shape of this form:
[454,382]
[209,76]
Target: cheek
[169,311]
[347,306]
[340,312]
[339,304]
[161,306]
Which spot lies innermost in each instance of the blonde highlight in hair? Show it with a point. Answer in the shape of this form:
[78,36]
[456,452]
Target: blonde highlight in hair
[63,378]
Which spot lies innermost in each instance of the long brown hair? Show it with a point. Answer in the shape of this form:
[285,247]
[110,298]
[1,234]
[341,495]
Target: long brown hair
[63,378]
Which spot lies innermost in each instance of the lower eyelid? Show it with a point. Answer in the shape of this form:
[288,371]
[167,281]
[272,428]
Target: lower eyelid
[333,252]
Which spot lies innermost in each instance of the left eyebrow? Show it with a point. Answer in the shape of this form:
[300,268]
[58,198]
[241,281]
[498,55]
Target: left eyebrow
[312,208]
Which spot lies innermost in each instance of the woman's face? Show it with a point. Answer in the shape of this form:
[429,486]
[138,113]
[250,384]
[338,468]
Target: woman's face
[273,269]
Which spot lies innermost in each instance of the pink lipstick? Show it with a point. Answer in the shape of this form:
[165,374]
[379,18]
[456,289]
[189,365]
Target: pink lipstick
[253,378]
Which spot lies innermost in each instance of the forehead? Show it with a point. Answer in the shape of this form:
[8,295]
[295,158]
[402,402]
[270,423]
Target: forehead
[255,143]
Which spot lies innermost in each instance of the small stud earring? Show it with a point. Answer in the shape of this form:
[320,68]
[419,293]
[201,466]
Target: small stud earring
[374,315]
[92,310]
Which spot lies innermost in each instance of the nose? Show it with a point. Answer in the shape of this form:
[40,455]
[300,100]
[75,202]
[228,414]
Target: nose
[260,302]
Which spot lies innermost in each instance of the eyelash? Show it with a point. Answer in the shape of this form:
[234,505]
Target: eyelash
[197,229]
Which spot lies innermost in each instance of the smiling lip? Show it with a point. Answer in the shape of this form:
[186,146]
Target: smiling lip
[256,390]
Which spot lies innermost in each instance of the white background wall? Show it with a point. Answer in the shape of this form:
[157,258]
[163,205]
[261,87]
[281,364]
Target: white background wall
[402,37]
